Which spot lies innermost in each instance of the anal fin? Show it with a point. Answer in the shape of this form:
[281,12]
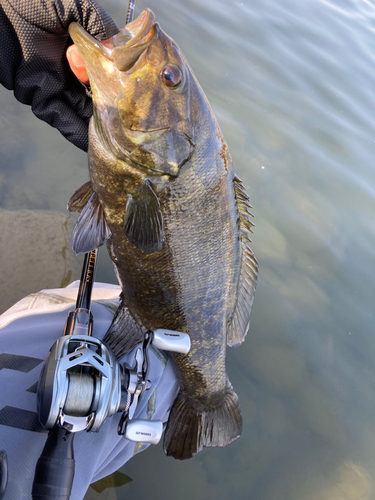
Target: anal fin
[240,320]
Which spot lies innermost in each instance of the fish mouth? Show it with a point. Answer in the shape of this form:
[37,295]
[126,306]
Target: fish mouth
[123,49]
[135,33]
[85,42]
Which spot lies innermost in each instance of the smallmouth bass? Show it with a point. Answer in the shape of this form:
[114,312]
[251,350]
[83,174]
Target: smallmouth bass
[175,217]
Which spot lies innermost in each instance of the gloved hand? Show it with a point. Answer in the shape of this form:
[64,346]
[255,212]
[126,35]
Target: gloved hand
[33,41]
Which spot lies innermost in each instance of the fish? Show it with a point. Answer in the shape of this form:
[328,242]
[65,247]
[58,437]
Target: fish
[175,217]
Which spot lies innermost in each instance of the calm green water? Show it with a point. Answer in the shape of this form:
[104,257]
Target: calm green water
[292,84]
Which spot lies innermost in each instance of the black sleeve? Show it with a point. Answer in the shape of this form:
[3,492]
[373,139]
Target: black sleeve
[33,41]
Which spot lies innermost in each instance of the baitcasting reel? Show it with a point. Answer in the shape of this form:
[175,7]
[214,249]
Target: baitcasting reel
[82,383]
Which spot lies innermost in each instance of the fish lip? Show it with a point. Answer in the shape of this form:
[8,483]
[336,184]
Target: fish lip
[84,40]
[139,30]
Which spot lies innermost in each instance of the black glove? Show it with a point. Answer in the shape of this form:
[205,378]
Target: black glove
[33,41]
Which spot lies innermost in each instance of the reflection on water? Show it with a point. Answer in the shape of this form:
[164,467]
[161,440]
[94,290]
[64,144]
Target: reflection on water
[292,84]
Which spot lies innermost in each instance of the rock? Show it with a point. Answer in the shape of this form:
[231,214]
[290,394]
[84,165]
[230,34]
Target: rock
[35,249]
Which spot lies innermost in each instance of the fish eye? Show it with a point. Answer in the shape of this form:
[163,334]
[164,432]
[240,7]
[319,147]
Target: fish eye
[171,75]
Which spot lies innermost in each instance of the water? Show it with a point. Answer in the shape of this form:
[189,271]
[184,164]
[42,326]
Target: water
[292,84]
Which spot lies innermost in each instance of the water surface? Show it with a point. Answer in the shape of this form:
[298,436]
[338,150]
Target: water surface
[292,84]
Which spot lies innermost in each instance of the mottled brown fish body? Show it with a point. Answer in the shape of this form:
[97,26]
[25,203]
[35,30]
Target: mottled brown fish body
[174,211]
[185,286]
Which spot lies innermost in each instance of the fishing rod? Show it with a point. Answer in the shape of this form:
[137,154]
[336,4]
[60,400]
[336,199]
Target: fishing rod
[130,14]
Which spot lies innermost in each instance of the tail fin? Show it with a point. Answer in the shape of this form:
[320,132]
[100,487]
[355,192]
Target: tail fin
[190,429]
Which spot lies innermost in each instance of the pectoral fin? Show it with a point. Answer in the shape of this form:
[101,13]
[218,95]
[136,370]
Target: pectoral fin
[239,324]
[80,198]
[91,229]
[143,219]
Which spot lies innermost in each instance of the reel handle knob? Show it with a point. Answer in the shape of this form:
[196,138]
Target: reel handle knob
[169,340]
[144,431]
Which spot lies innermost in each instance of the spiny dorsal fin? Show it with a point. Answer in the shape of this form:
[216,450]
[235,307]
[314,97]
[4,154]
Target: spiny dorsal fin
[91,229]
[240,320]
[143,219]
[124,333]
[80,198]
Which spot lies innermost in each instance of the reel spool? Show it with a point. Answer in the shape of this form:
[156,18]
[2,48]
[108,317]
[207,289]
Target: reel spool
[79,386]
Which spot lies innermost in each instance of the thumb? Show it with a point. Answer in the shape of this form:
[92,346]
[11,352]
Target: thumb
[76,64]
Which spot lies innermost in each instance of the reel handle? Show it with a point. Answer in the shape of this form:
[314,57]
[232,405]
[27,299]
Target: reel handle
[54,471]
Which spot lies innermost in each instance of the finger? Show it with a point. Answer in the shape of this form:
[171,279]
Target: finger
[76,64]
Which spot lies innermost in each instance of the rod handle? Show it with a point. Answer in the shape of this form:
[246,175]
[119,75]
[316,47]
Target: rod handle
[3,473]
[54,472]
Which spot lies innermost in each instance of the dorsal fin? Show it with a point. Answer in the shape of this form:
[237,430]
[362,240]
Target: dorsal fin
[91,230]
[124,333]
[240,320]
